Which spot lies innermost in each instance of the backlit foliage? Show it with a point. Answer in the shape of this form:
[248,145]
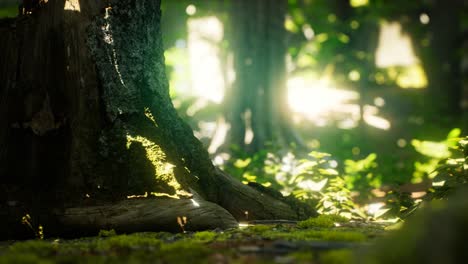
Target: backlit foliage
[452,173]
[435,152]
[314,177]
[348,189]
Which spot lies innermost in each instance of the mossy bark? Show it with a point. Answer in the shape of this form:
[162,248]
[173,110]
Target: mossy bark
[86,119]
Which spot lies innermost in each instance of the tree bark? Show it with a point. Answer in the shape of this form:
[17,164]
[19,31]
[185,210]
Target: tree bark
[86,120]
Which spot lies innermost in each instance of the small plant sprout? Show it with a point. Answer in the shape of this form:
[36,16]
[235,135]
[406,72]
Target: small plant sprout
[182,221]
[40,232]
[376,209]
[27,220]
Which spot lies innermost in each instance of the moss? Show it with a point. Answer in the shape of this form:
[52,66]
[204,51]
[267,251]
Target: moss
[35,247]
[204,236]
[308,235]
[33,251]
[107,233]
[196,247]
[322,221]
[179,248]
[254,231]
[259,229]
[126,243]
[223,236]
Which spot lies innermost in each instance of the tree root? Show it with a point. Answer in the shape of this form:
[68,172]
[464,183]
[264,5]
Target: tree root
[150,214]
[246,203]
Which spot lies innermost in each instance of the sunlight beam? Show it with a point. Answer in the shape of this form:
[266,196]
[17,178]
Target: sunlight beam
[205,37]
[72,5]
[394,47]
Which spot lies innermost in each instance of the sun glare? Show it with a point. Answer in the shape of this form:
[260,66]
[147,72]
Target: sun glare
[316,98]
[195,203]
[72,5]
[394,48]
[358,3]
[377,121]
[319,101]
[424,18]
[205,36]
[191,10]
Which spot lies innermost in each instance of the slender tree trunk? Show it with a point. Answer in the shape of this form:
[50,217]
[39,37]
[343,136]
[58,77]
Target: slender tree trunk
[439,51]
[363,39]
[86,119]
[256,104]
[464,74]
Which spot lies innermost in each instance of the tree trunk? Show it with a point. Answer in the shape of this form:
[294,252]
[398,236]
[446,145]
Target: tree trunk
[256,104]
[439,50]
[86,120]
[363,39]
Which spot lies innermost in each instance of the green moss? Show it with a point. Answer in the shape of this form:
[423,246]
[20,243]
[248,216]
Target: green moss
[223,236]
[254,231]
[124,243]
[204,236]
[34,251]
[35,247]
[182,248]
[107,233]
[322,221]
[259,229]
[308,235]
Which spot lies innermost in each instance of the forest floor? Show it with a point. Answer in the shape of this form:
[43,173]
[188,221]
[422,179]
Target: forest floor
[317,240]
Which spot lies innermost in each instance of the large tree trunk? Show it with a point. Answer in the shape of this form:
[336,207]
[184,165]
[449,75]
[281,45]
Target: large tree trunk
[86,118]
[256,104]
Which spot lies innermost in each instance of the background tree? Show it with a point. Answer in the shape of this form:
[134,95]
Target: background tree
[256,105]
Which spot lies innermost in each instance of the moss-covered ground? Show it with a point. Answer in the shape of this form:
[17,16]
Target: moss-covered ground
[318,240]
